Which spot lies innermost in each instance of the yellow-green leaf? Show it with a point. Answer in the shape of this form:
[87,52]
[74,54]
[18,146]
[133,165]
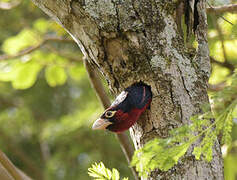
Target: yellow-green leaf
[26,38]
[55,75]
[25,75]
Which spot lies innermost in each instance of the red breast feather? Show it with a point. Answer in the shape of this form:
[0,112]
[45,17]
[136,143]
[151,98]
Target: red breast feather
[137,100]
[123,121]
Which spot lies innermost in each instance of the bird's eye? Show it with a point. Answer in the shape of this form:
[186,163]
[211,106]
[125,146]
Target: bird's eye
[109,114]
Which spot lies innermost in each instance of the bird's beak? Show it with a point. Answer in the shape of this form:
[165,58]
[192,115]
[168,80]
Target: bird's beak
[101,124]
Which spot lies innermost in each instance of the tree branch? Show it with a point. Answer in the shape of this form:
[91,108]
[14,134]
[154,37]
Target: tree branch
[222,9]
[225,64]
[31,49]
[213,8]
[8,165]
[9,5]
[61,53]
[216,87]
[101,94]
[21,156]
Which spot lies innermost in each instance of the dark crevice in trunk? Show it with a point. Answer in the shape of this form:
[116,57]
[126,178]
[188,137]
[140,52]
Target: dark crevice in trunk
[196,16]
[117,15]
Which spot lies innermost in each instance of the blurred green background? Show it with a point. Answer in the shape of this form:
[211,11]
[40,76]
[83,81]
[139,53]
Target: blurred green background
[47,105]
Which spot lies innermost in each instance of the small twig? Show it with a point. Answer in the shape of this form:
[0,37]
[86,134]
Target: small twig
[126,147]
[225,64]
[69,57]
[97,85]
[232,8]
[216,87]
[101,94]
[23,174]
[21,155]
[221,39]
[31,49]
[211,7]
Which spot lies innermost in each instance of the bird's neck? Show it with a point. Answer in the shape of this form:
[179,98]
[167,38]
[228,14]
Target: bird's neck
[128,119]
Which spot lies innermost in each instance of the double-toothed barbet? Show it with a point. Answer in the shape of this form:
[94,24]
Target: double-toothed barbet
[126,109]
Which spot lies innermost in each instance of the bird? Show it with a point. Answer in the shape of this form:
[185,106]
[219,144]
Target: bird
[126,109]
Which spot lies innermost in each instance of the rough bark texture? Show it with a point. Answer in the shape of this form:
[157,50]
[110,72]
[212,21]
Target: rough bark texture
[133,40]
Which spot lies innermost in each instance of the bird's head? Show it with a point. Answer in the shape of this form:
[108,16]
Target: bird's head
[107,119]
[126,109]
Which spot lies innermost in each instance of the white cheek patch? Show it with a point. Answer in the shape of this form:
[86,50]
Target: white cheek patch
[120,98]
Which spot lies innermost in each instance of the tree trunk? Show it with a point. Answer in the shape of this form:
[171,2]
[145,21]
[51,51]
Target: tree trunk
[133,40]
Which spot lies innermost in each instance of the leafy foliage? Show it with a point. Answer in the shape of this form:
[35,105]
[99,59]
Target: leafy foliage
[22,74]
[203,133]
[100,172]
[22,70]
[47,105]
[26,38]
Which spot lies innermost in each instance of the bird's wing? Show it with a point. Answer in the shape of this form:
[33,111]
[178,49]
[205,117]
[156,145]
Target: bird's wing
[139,96]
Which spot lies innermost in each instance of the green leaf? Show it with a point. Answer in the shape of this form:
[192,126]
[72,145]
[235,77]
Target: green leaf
[22,74]
[55,75]
[165,153]
[227,128]
[42,25]
[197,152]
[115,174]
[26,38]
[208,152]
[158,153]
[100,172]
[25,75]
[76,72]
[7,71]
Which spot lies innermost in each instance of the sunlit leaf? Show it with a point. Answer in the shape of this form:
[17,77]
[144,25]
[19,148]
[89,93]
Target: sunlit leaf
[217,51]
[26,38]
[226,27]
[197,152]
[55,75]
[158,155]
[25,75]
[22,74]
[100,172]
[218,75]
[76,72]
[115,174]
[42,25]
[7,72]
[230,48]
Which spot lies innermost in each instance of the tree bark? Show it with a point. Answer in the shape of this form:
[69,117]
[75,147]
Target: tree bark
[138,40]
